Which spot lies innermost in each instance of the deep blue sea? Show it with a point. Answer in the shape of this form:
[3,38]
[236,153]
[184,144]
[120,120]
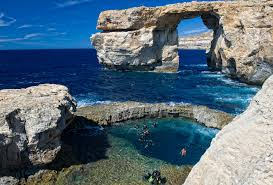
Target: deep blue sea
[90,83]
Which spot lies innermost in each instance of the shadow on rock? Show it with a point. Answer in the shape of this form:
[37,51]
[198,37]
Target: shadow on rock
[82,142]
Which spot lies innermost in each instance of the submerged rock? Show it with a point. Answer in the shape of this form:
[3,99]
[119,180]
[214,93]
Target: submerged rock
[31,123]
[146,38]
[42,177]
[241,153]
[105,114]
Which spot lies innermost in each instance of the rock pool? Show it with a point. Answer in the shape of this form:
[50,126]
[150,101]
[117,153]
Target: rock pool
[115,155]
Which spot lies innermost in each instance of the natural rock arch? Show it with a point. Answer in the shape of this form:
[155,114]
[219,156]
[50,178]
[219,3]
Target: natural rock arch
[146,38]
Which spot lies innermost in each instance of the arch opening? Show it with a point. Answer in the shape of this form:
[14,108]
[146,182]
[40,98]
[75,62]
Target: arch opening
[194,41]
[174,33]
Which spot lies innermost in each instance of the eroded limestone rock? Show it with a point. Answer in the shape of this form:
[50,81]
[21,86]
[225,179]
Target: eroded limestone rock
[31,122]
[106,114]
[143,38]
[242,152]
[138,50]
[7,180]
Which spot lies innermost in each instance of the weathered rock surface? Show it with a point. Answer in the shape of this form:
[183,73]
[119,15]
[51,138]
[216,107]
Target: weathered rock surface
[9,181]
[242,152]
[146,38]
[106,114]
[31,122]
[137,50]
[199,41]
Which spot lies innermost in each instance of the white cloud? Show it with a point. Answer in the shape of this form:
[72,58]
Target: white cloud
[67,3]
[30,26]
[26,37]
[30,36]
[60,33]
[5,20]
[51,29]
[33,35]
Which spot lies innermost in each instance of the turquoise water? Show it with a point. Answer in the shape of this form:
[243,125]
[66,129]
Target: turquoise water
[115,155]
[167,139]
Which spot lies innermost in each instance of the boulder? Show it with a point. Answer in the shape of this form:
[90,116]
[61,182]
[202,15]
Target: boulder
[31,122]
[242,152]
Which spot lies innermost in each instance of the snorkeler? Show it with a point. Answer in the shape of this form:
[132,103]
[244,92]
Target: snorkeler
[145,127]
[183,152]
[155,178]
[155,125]
[146,132]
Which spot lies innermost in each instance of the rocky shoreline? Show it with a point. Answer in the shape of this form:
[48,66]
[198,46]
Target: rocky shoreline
[241,153]
[39,126]
[114,113]
[34,119]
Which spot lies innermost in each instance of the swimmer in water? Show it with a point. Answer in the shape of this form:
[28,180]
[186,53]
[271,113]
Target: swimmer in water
[183,152]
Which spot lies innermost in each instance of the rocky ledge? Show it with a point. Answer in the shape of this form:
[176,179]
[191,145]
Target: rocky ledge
[146,38]
[200,41]
[31,123]
[107,114]
[242,152]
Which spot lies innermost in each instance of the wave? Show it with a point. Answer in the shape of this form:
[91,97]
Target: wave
[171,103]
[88,102]
[236,99]
[195,65]
[210,132]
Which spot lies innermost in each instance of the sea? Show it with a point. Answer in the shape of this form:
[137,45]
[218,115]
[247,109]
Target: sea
[90,83]
[117,154]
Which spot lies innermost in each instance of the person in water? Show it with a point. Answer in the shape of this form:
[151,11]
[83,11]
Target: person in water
[183,152]
[155,178]
[146,132]
[155,125]
[149,143]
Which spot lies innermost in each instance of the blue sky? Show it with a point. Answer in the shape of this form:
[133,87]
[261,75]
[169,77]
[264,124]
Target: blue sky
[41,24]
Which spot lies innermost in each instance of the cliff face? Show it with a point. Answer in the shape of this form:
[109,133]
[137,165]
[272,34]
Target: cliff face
[31,123]
[146,38]
[200,41]
[122,111]
[242,152]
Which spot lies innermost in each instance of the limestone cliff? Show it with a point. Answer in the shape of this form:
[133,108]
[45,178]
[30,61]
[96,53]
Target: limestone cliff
[31,122]
[242,152]
[146,38]
[199,41]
